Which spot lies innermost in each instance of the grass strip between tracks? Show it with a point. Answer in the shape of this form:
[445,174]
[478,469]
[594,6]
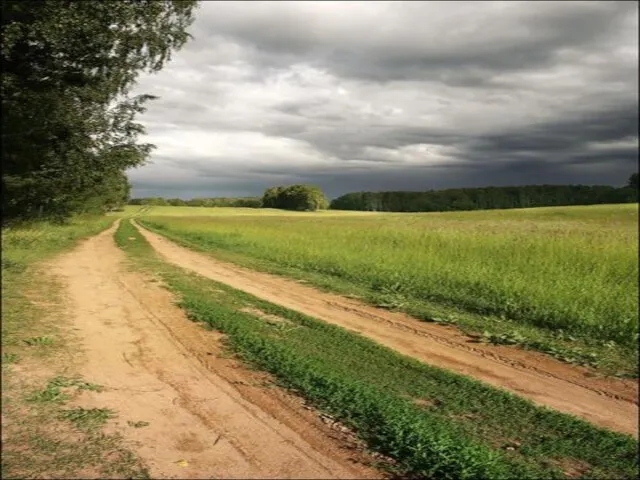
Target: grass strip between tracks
[433,423]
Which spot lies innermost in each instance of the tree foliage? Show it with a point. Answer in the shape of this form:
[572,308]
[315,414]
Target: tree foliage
[485,198]
[295,197]
[633,181]
[68,129]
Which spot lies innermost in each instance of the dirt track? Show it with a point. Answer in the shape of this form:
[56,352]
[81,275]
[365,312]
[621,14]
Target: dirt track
[607,402]
[208,417]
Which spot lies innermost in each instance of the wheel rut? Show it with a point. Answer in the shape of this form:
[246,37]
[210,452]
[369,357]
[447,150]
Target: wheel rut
[206,416]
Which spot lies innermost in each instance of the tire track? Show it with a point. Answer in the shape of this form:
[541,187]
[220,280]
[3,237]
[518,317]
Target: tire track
[161,368]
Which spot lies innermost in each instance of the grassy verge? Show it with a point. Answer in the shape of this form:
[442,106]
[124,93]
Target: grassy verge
[433,423]
[318,251]
[43,436]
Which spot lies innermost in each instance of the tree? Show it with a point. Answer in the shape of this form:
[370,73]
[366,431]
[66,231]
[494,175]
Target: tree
[633,181]
[68,120]
[112,193]
[270,197]
[295,197]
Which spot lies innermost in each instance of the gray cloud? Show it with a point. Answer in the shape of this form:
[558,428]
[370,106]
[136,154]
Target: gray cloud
[463,43]
[395,95]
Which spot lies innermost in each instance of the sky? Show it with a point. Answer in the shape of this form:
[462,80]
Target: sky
[371,96]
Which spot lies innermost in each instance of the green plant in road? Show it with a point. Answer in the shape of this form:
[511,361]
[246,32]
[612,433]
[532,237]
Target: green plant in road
[39,341]
[139,424]
[87,418]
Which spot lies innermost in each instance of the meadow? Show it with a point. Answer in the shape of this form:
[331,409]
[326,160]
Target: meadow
[539,275]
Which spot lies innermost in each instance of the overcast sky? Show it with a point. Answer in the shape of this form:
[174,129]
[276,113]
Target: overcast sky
[356,96]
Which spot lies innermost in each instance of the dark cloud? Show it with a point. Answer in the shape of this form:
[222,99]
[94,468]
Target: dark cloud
[462,43]
[415,178]
[395,95]
[591,134]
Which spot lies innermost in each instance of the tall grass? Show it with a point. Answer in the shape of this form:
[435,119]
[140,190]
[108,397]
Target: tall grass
[28,242]
[229,211]
[573,269]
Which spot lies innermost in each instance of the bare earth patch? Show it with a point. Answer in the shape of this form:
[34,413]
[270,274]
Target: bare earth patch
[606,402]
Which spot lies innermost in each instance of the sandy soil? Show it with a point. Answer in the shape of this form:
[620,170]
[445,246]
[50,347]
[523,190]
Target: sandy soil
[605,401]
[208,417]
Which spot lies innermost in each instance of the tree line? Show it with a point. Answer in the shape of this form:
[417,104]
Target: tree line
[289,197]
[455,199]
[69,129]
[239,202]
[311,198]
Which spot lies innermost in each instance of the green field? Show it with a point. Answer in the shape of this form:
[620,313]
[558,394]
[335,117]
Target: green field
[547,277]
[432,423]
[234,212]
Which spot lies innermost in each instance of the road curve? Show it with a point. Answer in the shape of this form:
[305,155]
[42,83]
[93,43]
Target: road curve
[604,401]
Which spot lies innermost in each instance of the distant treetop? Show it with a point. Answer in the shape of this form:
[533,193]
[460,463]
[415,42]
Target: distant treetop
[295,197]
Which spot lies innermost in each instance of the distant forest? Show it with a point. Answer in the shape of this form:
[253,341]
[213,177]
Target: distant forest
[453,199]
[246,202]
[487,198]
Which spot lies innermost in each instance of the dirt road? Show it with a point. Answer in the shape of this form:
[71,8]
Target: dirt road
[607,402]
[208,417]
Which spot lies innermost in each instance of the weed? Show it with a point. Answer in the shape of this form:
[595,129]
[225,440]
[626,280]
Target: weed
[8,358]
[86,418]
[11,265]
[391,302]
[139,424]
[53,392]
[39,341]
[513,338]
[75,382]
[574,355]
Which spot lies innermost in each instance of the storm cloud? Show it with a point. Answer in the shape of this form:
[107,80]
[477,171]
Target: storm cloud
[394,96]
